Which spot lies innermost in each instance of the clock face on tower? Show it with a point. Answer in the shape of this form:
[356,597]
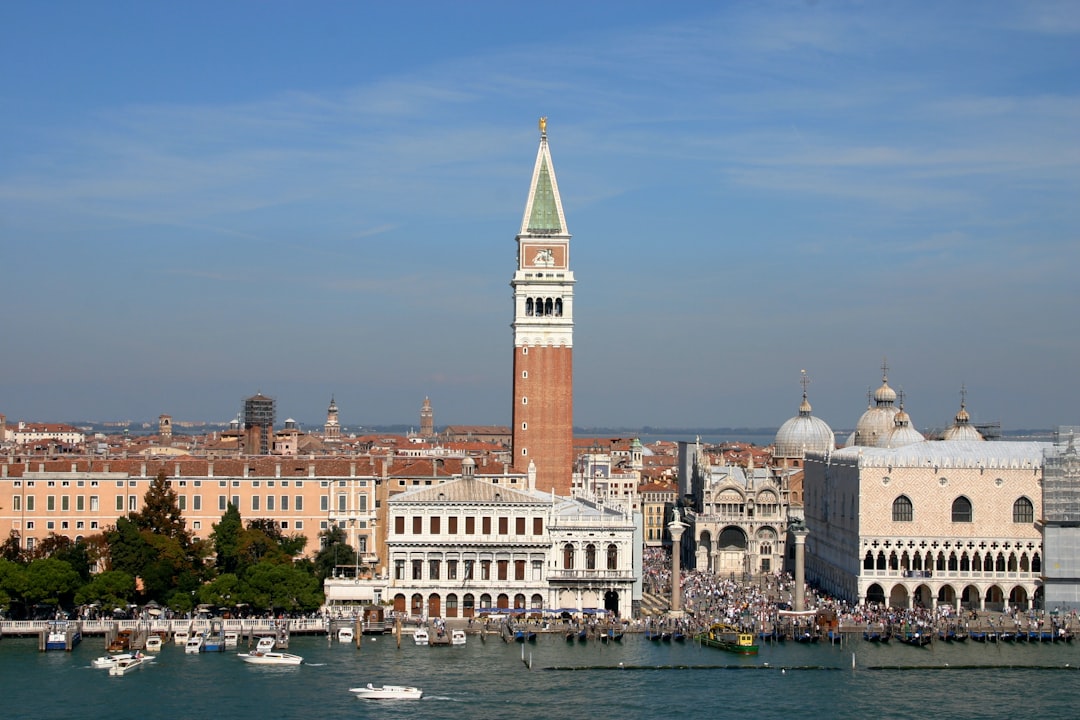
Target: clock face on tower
[536,255]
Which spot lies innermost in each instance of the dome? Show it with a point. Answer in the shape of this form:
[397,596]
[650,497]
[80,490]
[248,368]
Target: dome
[962,429]
[878,421]
[803,433]
[903,432]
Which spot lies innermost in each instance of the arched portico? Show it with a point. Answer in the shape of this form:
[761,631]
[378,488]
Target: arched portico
[899,597]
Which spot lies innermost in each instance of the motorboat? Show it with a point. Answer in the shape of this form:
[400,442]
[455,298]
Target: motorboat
[153,643]
[127,663]
[105,662]
[421,637]
[345,635]
[265,644]
[387,692]
[457,637]
[232,639]
[180,637]
[270,658]
[195,644]
[60,633]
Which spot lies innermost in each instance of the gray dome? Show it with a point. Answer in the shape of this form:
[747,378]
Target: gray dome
[802,434]
[903,432]
[962,429]
[878,421]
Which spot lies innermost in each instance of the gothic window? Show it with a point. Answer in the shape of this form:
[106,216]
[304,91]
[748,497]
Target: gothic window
[1023,511]
[881,561]
[965,563]
[902,510]
[961,510]
[940,562]
[1036,563]
[868,561]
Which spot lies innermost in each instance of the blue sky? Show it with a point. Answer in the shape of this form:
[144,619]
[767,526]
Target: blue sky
[202,200]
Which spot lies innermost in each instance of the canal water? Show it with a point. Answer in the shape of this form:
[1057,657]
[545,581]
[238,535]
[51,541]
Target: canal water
[632,680]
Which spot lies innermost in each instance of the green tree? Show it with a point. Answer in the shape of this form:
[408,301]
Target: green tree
[12,584]
[226,540]
[334,551]
[51,582]
[222,591]
[161,513]
[274,586]
[110,589]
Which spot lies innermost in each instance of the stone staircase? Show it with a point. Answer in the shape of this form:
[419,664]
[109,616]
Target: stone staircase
[652,604]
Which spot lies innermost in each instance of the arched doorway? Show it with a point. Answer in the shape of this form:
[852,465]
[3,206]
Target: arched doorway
[503,601]
[611,603]
[703,553]
[875,594]
[452,605]
[1018,598]
[399,603]
[416,605]
[971,598]
[730,551]
[922,597]
[995,599]
[946,596]
[468,605]
[434,606]
[898,598]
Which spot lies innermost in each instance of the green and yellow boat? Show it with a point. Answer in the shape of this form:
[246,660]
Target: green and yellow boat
[727,637]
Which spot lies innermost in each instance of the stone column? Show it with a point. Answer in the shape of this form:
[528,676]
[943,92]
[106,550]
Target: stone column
[676,528]
[800,532]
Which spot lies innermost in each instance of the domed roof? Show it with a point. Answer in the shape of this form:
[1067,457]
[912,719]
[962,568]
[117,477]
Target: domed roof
[803,433]
[962,429]
[903,432]
[878,421]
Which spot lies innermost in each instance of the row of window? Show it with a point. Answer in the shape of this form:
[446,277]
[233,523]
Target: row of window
[975,562]
[467,568]
[435,525]
[468,602]
[962,511]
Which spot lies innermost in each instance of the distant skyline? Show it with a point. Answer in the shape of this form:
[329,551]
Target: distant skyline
[203,201]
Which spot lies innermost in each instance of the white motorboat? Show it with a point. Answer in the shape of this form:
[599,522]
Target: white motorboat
[457,637]
[270,658]
[180,637]
[345,635]
[421,637]
[153,643]
[195,644]
[387,692]
[105,662]
[232,639]
[127,664]
[265,644]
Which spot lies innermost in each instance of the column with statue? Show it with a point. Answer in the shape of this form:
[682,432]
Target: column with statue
[799,532]
[676,527]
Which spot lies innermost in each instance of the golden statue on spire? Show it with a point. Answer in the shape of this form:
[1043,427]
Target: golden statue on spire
[543,126]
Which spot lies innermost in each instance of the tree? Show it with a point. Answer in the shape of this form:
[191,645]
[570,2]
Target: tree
[226,540]
[111,589]
[161,511]
[12,584]
[335,550]
[270,586]
[11,549]
[50,581]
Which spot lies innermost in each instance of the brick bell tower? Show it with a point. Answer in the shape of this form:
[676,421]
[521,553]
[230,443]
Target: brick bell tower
[543,413]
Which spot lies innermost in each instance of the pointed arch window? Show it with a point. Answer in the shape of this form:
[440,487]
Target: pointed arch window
[902,511]
[961,510]
[1023,511]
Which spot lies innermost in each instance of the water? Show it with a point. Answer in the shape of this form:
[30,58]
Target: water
[489,680]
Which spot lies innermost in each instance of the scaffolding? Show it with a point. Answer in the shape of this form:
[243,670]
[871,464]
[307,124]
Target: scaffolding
[258,423]
[1061,478]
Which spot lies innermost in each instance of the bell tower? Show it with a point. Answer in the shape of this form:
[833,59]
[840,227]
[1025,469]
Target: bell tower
[543,412]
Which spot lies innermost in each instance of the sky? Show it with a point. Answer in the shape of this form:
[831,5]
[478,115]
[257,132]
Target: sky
[204,200]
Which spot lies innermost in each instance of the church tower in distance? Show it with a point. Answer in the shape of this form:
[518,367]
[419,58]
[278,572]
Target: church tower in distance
[543,412]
